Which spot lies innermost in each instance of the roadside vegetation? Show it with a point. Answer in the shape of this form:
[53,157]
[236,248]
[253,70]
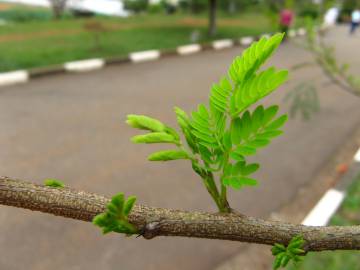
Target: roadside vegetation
[347,215]
[33,39]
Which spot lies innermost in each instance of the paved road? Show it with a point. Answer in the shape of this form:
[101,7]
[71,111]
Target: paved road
[71,127]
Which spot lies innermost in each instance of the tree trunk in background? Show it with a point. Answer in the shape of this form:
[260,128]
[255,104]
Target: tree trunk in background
[232,7]
[212,17]
[58,7]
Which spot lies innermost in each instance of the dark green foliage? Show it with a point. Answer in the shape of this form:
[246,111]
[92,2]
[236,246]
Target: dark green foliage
[54,183]
[308,9]
[23,15]
[136,5]
[197,6]
[293,252]
[232,6]
[347,7]
[115,219]
[221,135]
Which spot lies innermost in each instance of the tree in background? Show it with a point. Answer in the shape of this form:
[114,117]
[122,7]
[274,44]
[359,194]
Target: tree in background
[58,7]
[347,7]
[136,5]
[196,6]
[212,17]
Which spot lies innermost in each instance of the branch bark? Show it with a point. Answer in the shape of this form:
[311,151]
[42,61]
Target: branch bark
[80,205]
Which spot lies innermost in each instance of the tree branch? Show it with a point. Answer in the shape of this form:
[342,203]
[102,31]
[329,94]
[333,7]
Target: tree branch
[154,222]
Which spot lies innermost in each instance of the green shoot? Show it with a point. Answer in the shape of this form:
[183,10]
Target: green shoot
[115,219]
[54,183]
[293,252]
[220,136]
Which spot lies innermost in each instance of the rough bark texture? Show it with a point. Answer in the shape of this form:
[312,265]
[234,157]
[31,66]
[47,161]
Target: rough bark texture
[154,222]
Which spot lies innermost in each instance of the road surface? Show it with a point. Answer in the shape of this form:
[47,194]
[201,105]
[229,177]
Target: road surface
[71,127]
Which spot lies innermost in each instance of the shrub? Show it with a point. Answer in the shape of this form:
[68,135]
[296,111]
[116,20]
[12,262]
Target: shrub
[136,5]
[25,15]
[310,10]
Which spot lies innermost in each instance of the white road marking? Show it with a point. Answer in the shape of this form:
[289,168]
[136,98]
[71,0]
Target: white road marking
[222,44]
[19,76]
[84,65]
[357,156]
[188,49]
[301,31]
[266,35]
[292,33]
[325,208]
[246,41]
[143,56]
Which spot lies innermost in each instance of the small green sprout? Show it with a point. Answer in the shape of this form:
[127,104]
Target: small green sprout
[54,183]
[293,252]
[115,219]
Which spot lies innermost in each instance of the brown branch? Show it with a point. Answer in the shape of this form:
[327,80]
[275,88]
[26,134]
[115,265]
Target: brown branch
[153,222]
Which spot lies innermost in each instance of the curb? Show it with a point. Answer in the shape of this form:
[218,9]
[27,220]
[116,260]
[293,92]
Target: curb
[329,203]
[22,76]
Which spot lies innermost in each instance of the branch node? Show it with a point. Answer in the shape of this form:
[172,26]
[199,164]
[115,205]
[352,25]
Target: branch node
[151,230]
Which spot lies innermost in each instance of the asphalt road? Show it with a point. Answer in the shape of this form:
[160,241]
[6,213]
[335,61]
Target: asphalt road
[71,127]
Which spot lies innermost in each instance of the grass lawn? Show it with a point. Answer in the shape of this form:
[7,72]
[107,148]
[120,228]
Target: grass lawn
[348,214]
[43,42]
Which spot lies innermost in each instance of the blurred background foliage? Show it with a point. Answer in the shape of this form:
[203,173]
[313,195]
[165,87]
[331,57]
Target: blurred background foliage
[31,36]
[303,8]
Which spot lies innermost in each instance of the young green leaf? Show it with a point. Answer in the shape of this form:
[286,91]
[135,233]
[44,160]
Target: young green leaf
[249,169]
[154,137]
[220,96]
[202,128]
[236,131]
[236,156]
[237,182]
[283,255]
[145,122]
[269,113]
[278,123]
[258,87]
[129,204]
[115,219]
[168,155]
[245,150]
[54,183]
[253,57]
[184,123]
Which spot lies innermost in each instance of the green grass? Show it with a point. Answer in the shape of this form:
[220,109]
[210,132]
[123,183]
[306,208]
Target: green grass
[48,42]
[348,214]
